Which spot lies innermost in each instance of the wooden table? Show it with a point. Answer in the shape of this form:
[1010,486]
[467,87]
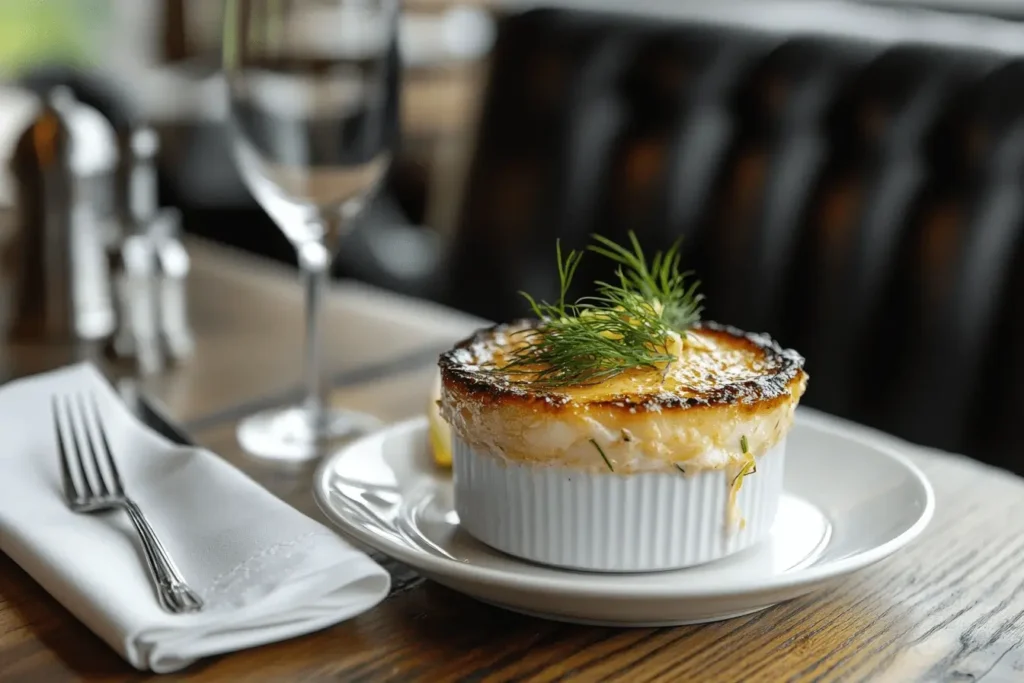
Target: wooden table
[949,608]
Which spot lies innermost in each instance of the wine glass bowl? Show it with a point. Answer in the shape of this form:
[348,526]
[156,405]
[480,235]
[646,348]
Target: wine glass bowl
[313,109]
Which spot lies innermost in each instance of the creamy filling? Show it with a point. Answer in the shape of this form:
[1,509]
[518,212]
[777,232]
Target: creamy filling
[593,439]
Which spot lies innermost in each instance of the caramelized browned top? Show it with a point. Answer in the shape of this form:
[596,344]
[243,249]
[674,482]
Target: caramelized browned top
[719,365]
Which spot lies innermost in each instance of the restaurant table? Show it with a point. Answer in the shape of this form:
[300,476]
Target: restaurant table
[950,607]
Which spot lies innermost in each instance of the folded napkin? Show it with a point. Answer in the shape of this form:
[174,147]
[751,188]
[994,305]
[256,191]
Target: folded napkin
[265,571]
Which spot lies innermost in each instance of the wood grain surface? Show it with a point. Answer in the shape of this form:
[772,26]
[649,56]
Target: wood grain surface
[948,608]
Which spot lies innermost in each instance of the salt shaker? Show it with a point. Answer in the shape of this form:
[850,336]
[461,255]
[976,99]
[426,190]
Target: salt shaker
[171,264]
[137,338]
[133,260]
[172,269]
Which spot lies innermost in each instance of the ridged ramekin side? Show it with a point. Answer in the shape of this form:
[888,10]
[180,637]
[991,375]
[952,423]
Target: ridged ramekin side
[602,521]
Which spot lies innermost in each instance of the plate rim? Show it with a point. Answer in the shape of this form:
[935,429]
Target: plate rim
[626,585]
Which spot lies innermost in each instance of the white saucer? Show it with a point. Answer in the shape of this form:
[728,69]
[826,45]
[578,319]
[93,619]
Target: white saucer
[848,502]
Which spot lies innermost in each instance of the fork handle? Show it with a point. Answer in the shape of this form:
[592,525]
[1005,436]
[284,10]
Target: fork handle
[174,594]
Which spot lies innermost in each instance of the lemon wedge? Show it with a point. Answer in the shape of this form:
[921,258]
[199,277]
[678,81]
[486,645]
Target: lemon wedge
[440,432]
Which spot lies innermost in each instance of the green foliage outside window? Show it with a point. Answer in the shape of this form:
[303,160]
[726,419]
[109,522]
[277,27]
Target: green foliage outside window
[34,31]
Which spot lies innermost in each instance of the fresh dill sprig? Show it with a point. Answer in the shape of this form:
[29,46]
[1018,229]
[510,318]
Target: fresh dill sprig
[749,464]
[603,456]
[662,284]
[627,324]
[749,467]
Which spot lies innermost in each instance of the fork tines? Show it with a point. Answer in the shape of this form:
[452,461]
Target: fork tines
[87,465]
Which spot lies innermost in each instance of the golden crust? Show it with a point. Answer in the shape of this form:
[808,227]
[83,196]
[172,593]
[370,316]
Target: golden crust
[762,373]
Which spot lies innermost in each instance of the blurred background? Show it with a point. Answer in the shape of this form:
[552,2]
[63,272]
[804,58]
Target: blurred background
[847,176]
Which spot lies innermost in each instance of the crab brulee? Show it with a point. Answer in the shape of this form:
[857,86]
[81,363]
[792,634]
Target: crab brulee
[619,433]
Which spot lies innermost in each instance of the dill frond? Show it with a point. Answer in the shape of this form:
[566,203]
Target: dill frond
[627,324]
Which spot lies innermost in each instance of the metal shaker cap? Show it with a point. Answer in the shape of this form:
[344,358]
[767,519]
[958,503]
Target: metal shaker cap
[69,133]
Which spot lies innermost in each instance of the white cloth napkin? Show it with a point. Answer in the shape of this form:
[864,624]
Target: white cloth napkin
[266,571]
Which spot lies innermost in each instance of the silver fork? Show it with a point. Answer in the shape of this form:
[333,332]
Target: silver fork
[80,439]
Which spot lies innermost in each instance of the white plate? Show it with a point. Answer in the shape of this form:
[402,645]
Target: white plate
[848,502]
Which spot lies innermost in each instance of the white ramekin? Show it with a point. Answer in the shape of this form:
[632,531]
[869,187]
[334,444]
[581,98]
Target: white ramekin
[606,522]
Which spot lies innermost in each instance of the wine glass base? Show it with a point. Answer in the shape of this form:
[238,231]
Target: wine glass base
[287,434]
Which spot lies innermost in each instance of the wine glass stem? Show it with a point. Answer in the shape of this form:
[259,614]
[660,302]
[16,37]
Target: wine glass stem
[315,263]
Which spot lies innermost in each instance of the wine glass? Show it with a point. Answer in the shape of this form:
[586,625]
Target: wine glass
[313,112]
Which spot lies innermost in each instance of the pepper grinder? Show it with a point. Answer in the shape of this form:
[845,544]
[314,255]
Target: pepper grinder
[62,167]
